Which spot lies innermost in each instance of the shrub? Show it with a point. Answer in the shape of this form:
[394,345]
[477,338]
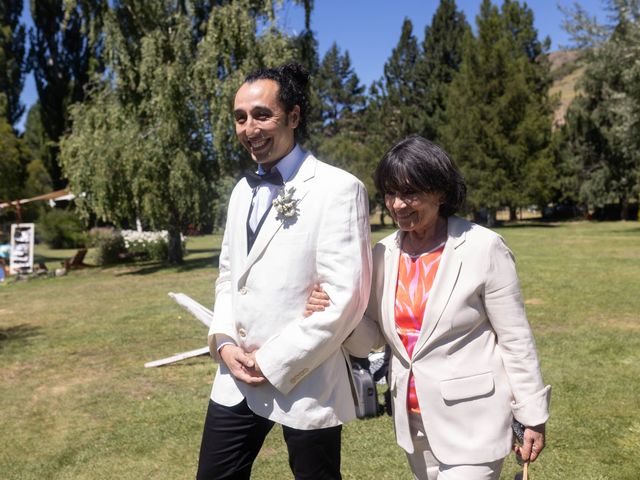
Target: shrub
[108,244]
[158,251]
[148,245]
[62,229]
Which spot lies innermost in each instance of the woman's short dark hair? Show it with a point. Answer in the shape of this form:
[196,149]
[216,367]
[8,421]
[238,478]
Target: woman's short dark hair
[416,164]
[293,82]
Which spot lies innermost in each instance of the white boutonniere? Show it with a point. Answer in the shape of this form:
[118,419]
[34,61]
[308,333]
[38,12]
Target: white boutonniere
[286,206]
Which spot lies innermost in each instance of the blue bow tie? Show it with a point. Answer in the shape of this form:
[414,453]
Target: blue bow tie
[272,176]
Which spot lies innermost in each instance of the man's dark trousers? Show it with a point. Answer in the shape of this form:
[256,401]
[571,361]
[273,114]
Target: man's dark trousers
[233,437]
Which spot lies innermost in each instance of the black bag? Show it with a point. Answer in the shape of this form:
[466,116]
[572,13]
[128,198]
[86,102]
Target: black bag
[367,395]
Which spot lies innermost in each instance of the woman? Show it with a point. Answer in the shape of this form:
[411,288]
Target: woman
[446,298]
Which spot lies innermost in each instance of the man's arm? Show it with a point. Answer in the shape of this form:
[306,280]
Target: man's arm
[368,334]
[343,264]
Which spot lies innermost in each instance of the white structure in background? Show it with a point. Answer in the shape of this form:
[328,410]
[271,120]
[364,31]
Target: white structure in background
[201,313]
[50,198]
[21,257]
[64,197]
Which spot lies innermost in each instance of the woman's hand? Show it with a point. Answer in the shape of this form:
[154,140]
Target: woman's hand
[532,444]
[317,301]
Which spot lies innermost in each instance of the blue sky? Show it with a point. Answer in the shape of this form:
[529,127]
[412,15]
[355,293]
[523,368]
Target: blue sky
[369,29]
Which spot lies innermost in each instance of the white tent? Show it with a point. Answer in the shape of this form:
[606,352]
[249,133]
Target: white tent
[201,313]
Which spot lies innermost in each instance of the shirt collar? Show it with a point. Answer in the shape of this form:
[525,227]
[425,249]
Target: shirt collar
[288,164]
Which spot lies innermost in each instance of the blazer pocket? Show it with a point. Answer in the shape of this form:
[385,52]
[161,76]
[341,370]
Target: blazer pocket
[466,388]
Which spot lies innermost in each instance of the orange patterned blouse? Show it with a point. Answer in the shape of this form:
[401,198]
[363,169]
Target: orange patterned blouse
[415,279]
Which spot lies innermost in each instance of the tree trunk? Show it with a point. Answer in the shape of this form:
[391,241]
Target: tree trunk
[491,217]
[174,255]
[513,214]
[624,208]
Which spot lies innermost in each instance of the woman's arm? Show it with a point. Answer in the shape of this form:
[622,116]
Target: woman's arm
[505,308]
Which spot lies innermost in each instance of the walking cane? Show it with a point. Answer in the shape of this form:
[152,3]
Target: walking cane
[518,433]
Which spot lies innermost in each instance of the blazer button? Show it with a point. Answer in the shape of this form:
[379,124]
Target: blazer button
[242,332]
[243,291]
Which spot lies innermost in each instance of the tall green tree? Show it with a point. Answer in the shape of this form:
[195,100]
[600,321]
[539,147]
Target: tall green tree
[339,92]
[601,137]
[392,111]
[439,62]
[65,52]
[339,131]
[35,136]
[499,112]
[35,139]
[156,141]
[14,157]
[306,42]
[399,98]
[12,58]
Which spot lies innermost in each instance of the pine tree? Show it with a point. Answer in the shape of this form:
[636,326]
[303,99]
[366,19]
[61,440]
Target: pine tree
[13,158]
[339,134]
[392,112]
[65,52]
[35,139]
[399,97]
[34,136]
[306,42]
[12,61]
[600,141]
[499,113]
[339,93]
[440,60]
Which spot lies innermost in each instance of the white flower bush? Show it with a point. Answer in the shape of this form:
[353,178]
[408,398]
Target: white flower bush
[134,239]
[151,244]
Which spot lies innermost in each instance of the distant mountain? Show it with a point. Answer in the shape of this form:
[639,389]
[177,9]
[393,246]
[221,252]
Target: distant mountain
[566,70]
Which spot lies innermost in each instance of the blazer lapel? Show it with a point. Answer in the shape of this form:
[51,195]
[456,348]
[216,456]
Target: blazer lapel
[388,301]
[444,283]
[239,239]
[301,182]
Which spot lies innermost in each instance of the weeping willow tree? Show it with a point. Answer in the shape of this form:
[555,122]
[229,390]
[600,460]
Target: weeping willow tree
[155,140]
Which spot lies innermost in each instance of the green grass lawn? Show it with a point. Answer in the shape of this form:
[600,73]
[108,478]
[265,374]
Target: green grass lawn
[77,403]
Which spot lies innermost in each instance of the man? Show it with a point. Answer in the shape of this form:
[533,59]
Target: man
[297,223]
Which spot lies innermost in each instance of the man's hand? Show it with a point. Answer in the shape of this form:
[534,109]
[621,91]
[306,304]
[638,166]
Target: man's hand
[317,301]
[256,367]
[532,444]
[241,365]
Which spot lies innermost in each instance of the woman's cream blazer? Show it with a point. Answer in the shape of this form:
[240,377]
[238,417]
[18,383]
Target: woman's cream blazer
[475,362]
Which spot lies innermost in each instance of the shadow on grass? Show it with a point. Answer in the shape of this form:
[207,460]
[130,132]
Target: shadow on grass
[499,224]
[630,230]
[525,224]
[200,250]
[187,266]
[46,259]
[18,333]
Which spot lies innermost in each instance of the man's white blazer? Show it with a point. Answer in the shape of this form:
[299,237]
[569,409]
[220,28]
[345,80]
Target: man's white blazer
[475,362]
[261,297]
